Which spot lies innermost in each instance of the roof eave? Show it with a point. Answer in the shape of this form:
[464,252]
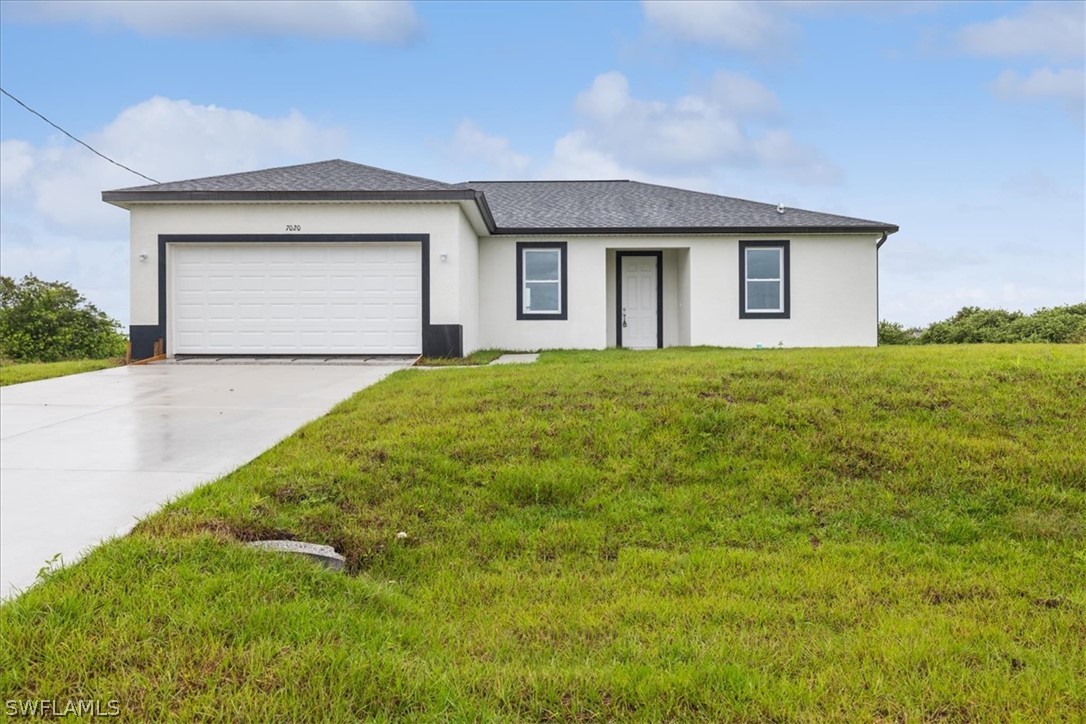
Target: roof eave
[150,197]
[484,209]
[123,199]
[659,230]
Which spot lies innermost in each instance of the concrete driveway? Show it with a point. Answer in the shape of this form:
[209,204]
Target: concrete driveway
[83,457]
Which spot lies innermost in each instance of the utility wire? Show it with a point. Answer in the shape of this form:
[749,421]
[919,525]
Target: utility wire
[93,150]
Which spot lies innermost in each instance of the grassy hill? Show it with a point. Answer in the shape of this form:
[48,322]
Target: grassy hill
[893,533]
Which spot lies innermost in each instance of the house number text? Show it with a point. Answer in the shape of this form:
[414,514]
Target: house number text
[294,227]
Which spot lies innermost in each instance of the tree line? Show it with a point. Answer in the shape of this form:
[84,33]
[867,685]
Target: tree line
[973,325]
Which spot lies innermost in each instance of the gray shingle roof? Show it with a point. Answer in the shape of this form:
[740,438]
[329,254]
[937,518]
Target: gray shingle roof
[609,205]
[335,175]
[511,207]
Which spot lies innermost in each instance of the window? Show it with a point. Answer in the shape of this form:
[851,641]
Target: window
[763,280]
[541,280]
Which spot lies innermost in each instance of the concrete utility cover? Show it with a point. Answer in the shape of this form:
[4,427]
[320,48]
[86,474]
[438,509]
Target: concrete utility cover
[516,359]
[325,555]
[83,457]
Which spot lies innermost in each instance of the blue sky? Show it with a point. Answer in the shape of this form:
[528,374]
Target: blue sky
[961,122]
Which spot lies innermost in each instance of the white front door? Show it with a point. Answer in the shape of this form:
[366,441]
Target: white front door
[638,320]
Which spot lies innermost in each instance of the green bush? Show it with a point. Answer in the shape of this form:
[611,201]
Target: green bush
[894,333]
[969,325]
[1058,324]
[972,325]
[51,321]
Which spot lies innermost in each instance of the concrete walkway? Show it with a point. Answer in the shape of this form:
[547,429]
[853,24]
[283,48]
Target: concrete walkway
[83,457]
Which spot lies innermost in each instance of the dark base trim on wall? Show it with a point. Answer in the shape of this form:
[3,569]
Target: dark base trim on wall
[443,340]
[143,338]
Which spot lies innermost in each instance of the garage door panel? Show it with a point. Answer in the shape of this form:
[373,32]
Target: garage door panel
[308,312]
[405,283]
[342,312]
[343,283]
[403,312]
[306,298]
[250,311]
[251,281]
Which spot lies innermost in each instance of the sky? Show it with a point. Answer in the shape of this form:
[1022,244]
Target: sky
[962,122]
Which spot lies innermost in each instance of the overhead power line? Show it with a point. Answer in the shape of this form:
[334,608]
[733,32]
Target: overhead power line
[81,143]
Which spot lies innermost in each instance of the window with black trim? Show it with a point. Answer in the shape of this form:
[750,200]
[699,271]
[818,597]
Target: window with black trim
[764,280]
[541,280]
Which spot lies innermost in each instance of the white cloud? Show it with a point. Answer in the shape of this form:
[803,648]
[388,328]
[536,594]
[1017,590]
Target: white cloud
[691,141]
[741,25]
[757,27]
[608,97]
[55,223]
[1054,30]
[741,94]
[167,140]
[779,151]
[690,137]
[472,144]
[575,157]
[381,21]
[16,160]
[1065,84]
[689,131]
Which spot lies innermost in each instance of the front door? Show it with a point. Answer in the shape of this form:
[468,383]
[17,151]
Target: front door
[639,322]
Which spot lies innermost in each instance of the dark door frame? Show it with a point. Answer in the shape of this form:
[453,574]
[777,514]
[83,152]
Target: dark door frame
[619,255]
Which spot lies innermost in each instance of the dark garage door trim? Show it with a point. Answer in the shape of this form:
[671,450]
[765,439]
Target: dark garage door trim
[438,340]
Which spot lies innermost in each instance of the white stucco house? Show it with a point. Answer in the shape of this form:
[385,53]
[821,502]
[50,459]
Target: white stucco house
[338,258]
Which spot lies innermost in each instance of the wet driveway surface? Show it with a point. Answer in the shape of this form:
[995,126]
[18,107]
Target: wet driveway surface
[83,457]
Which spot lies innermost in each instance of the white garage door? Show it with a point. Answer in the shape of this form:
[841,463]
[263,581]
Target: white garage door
[306,298]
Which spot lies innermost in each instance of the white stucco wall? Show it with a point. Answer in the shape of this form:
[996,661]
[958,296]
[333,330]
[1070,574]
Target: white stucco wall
[587,295]
[833,293]
[682,293]
[452,289]
[468,266]
[833,277]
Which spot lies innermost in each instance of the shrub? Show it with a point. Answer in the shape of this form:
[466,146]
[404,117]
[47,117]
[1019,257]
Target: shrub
[50,321]
[894,333]
[973,324]
[1058,324]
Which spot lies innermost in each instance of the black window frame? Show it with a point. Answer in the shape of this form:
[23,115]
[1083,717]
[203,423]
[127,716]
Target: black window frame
[786,280]
[563,309]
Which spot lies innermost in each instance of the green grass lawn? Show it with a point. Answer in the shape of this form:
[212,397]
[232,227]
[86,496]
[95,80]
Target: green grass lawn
[880,534]
[12,373]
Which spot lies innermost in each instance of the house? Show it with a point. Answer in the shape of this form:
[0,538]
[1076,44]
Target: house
[337,258]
